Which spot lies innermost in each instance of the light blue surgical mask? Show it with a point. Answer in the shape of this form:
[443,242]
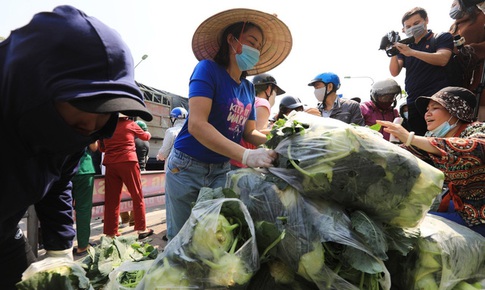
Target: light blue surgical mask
[441,130]
[456,13]
[405,115]
[248,58]
[416,30]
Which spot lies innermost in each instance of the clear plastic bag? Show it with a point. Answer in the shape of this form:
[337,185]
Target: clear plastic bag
[446,255]
[318,239]
[209,252]
[356,167]
[127,266]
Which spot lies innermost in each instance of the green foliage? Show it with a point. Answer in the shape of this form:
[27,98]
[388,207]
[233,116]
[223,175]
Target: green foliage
[282,129]
[130,279]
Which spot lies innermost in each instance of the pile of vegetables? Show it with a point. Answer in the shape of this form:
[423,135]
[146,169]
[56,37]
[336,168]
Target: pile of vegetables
[121,260]
[342,198]
[342,209]
[216,248]
[111,253]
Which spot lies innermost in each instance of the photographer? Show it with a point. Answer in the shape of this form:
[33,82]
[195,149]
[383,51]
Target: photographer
[469,23]
[425,65]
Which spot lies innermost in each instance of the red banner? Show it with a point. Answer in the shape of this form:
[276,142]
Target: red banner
[153,183]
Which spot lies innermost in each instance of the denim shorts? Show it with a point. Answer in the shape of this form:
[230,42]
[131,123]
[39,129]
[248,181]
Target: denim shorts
[184,177]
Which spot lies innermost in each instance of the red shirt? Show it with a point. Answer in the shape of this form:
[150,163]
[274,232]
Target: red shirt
[121,146]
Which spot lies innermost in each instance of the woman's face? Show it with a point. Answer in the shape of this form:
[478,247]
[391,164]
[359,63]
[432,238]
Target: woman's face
[435,115]
[251,37]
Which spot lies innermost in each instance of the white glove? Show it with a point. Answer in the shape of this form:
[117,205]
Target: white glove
[160,157]
[67,253]
[261,157]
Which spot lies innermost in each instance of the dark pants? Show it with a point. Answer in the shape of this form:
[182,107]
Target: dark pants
[82,193]
[15,256]
[416,121]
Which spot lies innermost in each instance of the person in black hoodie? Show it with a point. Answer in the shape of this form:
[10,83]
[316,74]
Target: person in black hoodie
[64,77]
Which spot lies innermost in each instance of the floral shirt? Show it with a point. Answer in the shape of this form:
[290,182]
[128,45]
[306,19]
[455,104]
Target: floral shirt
[462,160]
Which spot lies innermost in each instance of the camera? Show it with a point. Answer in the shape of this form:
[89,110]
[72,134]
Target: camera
[458,41]
[388,41]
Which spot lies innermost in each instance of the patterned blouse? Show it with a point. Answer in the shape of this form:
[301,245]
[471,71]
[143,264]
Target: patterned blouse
[462,161]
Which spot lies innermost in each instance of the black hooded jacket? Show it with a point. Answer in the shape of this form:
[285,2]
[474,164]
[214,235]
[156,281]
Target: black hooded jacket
[59,56]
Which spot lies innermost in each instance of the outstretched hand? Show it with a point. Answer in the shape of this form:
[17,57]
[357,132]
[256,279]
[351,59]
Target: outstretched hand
[395,129]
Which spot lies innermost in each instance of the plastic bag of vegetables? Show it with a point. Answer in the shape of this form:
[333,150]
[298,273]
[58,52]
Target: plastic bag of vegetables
[216,248]
[128,275]
[54,273]
[355,167]
[448,256]
[316,239]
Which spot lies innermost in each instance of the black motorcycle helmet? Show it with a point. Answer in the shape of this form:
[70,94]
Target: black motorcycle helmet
[288,104]
[266,79]
[387,87]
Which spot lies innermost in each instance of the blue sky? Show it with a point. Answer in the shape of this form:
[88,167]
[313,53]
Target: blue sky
[338,36]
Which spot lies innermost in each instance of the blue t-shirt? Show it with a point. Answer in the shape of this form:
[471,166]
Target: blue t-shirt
[422,78]
[232,106]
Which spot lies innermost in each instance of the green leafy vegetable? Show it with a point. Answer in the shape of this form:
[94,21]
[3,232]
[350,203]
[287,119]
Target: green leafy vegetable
[213,235]
[130,279]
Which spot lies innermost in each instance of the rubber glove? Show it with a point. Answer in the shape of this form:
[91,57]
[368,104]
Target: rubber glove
[260,157]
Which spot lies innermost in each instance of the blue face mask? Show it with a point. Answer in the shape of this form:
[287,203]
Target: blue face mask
[456,13]
[248,58]
[441,130]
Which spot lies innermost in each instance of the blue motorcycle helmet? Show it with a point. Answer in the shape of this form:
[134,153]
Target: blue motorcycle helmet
[178,113]
[326,78]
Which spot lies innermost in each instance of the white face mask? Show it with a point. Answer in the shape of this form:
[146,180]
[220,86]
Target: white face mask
[320,93]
